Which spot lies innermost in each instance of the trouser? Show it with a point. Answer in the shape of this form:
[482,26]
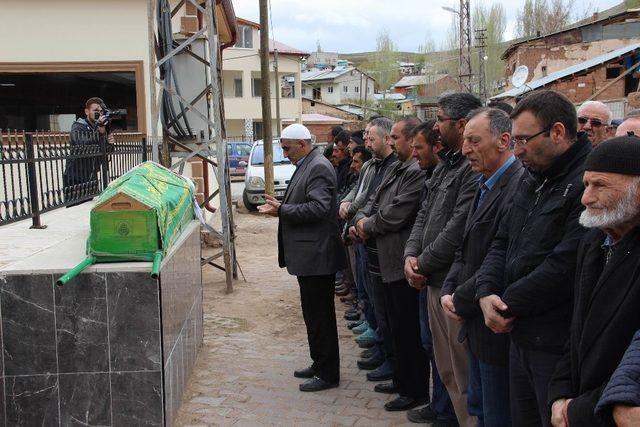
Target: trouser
[530,372]
[451,357]
[440,401]
[381,309]
[363,281]
[488,395]
[410,374]
[318,310]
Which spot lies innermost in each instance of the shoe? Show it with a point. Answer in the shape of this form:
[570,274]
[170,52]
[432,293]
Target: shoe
[366,335]
[341,288]
[317,384]
[361,328]
[367,344]
[355,324]
[308,372]
[348,298]
[368,353]
[403,403]
[383,372]
[386,388]
[371,363]
[352,316]
[422,415]
[343,292]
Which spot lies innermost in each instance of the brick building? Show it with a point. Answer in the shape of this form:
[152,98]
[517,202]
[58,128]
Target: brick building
[425,85]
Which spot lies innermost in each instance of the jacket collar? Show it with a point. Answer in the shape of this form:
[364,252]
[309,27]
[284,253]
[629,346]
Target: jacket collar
[295,178]
[567,160]
[451,158]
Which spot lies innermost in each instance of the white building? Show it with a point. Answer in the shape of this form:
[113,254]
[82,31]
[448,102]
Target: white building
[242,84]
[322,60]
[338,86]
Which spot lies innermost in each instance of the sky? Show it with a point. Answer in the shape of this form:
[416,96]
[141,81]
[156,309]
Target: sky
[347,26]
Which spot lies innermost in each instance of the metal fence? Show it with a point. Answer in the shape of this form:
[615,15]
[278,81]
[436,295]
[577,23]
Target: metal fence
[42,171]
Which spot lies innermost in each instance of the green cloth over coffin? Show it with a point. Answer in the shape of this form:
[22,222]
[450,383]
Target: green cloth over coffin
[140,214]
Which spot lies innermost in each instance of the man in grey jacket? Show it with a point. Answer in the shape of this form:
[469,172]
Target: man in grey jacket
[309,246]
[436,235]
[385,223]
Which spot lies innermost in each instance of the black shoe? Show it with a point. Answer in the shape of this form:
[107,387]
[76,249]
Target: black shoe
[383,372]
[371,363]
[316,384]
[342,292]
[366,344]
[352,316]
[386,388]
[422,415]
[366,354]
[402,403]
[305,373]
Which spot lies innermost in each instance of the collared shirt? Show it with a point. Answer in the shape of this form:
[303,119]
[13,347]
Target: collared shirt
[487,184]
[299,162]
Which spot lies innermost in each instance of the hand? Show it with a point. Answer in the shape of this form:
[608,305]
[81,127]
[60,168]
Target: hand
[353,233]
[344,210]
[360,228]
[415,279]
[491,307]
[446,301]
[559,417]
[111,139]
[270,207]
[626,416]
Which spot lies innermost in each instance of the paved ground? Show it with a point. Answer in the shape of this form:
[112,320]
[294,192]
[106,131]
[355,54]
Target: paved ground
[255,338]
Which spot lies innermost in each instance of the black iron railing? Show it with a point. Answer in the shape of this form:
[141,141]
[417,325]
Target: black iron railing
[42,171]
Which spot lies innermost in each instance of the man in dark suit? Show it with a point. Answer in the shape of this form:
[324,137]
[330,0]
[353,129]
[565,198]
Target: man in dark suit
[607,291]
[309,246]
[487,136]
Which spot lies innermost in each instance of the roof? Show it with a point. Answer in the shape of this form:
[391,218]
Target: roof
[315,75]
[243,21]
[407,81]
[285,49]
[389,97]
[352,109]
[579,24]
[569,71]
[316,118]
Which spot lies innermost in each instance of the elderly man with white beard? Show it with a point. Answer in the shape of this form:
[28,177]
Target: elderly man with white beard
[606,310]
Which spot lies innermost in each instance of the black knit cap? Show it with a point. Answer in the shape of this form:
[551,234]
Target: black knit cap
[617,155]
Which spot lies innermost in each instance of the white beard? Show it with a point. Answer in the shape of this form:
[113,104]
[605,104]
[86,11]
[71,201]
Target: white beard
[625,210]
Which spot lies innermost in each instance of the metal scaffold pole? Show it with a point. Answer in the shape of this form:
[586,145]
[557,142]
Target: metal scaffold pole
[169,107]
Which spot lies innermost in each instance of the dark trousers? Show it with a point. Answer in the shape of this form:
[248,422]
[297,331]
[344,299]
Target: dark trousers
[488,393]
[363,282]
[530,372]
[318,310]
[440,401]
[381,310]
[410,373]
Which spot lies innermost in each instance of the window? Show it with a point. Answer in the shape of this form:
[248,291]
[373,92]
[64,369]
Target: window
[345,89]
[368,89]
[256,87]
[237,88]
[612,73]
[245,37]
[544,71]
[316,93]
[356,89]
[257,130]
[304,91]
[330,89]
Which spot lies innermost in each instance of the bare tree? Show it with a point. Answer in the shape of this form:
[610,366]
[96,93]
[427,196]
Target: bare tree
[538,17]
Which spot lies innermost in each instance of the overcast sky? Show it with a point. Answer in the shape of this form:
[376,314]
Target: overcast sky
[352,25]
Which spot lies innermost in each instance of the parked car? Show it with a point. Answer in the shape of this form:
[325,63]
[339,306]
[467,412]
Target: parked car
[238,156]
[283,170]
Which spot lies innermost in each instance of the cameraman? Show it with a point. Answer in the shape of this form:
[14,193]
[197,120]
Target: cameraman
[88,136]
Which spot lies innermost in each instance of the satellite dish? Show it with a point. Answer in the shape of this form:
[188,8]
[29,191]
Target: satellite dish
[520,76]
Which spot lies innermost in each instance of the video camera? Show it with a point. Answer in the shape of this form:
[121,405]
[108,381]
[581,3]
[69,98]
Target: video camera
[107,115]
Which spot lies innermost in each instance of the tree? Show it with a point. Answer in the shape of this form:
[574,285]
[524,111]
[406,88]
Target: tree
[384,67]
[318,47]
[537,17]
[494,21]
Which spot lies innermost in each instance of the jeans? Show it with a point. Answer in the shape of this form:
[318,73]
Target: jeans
[440,402]
[363,282]
[530,372]
[488,394]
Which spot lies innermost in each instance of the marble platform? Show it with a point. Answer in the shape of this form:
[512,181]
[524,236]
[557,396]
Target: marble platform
[113,347]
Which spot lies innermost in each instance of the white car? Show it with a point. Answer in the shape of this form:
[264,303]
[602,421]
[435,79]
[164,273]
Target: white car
[283,170]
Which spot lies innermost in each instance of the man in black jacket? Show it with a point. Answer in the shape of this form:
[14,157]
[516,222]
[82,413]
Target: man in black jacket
[525,283]
[487,137]
[606,313]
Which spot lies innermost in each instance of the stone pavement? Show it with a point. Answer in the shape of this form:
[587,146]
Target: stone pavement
[253,340]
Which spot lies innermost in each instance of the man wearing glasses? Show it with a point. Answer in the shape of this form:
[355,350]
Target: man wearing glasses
[525,284]
[594,118]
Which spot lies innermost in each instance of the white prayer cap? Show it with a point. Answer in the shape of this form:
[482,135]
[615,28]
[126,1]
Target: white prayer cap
[295,131]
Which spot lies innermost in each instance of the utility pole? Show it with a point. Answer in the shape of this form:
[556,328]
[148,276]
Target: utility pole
[277,88]
[465,73]
[266,98]
[481,38]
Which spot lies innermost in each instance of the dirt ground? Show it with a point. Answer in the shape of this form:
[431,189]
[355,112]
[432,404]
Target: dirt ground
[254,338]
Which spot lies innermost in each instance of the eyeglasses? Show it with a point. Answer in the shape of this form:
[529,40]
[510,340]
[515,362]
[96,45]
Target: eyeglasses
[523,140]
[595,123]
[440,119]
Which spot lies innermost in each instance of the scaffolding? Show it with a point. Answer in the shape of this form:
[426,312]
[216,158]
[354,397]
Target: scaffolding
[178,141]
[465,74]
